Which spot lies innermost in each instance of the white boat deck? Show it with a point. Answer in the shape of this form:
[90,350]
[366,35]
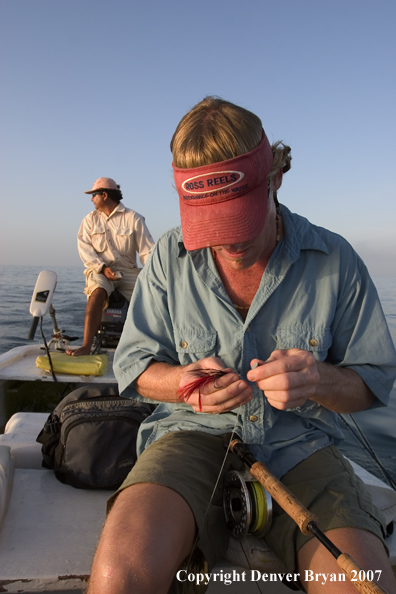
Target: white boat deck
[19,363]
[49,531]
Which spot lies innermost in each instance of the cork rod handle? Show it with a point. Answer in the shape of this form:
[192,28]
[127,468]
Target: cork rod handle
[303,517]
[284,497]
[353,572]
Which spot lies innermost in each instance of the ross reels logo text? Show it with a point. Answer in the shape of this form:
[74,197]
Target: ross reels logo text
[212,182]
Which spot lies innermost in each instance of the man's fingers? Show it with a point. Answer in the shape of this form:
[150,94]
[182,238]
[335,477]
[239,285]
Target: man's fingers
[219,383]
[290,399]
[281,362]
[288,378]
[233,394]
[210,404]
[290,381]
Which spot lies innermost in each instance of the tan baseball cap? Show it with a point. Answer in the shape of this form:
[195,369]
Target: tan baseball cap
[105,183]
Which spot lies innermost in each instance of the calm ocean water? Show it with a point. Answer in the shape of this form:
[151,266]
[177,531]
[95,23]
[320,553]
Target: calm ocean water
[16,288]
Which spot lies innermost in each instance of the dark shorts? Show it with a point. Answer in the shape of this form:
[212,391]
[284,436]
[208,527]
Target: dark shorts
[189,462]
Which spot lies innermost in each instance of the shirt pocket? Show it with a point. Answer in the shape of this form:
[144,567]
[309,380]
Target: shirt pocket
[192,345]
[123,239]
[99,242]
[316,339]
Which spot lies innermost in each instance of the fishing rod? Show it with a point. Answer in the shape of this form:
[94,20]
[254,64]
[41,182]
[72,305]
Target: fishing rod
[305,520]
[363,441]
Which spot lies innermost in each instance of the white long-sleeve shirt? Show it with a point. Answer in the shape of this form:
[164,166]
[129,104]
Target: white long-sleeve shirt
[114,240]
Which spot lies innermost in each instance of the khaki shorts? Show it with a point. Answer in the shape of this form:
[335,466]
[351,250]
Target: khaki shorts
[189,461]
[125,285]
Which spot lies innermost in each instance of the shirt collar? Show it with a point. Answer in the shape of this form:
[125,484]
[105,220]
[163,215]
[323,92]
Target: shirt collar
[300,234]
[180,242]
[119,208]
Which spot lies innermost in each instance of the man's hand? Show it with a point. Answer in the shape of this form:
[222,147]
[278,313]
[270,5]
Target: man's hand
[220,395]
[288,378]
[109,273]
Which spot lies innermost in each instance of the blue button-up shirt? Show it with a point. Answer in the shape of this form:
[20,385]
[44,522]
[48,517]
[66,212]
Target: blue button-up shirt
[315,294]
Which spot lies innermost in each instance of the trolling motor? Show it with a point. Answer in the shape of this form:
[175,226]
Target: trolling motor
[112,323]
[41,304]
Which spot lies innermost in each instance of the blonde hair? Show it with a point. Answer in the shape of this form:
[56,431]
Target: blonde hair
[216,130]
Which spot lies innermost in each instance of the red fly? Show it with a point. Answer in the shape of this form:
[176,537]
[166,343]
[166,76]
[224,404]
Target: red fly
[205,376]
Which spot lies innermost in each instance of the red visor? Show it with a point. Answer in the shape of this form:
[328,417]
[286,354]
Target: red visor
[226,202]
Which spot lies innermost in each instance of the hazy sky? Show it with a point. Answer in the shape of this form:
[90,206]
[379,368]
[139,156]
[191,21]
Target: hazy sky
[95,88]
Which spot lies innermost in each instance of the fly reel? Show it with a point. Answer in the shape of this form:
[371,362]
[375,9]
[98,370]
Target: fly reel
[247,505]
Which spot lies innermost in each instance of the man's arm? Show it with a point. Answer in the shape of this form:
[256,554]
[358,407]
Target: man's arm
[86,251]
[291,377]
[161,381]
[341,390]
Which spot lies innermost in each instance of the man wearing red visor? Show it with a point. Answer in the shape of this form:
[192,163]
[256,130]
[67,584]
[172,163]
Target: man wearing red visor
[288,311]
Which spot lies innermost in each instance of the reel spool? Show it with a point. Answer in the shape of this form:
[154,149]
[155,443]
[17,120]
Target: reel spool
[247,505]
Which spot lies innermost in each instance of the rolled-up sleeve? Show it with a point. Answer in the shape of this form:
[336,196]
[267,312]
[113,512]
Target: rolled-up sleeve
[361,339]
[148,331]
[90,257]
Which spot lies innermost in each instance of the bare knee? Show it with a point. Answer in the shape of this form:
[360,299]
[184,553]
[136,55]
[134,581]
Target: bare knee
[319,570]
[140,551]
[98,296]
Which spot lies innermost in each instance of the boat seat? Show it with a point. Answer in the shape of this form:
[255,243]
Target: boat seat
[20,436]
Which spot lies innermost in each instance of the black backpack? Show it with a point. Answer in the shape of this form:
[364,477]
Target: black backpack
[89,440]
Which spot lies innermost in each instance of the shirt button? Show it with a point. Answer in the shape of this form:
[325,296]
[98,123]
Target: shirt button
[253,418]
[313,342]
[183,344]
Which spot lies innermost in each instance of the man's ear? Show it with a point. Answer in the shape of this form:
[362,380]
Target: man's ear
[105,195]
[277,180]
